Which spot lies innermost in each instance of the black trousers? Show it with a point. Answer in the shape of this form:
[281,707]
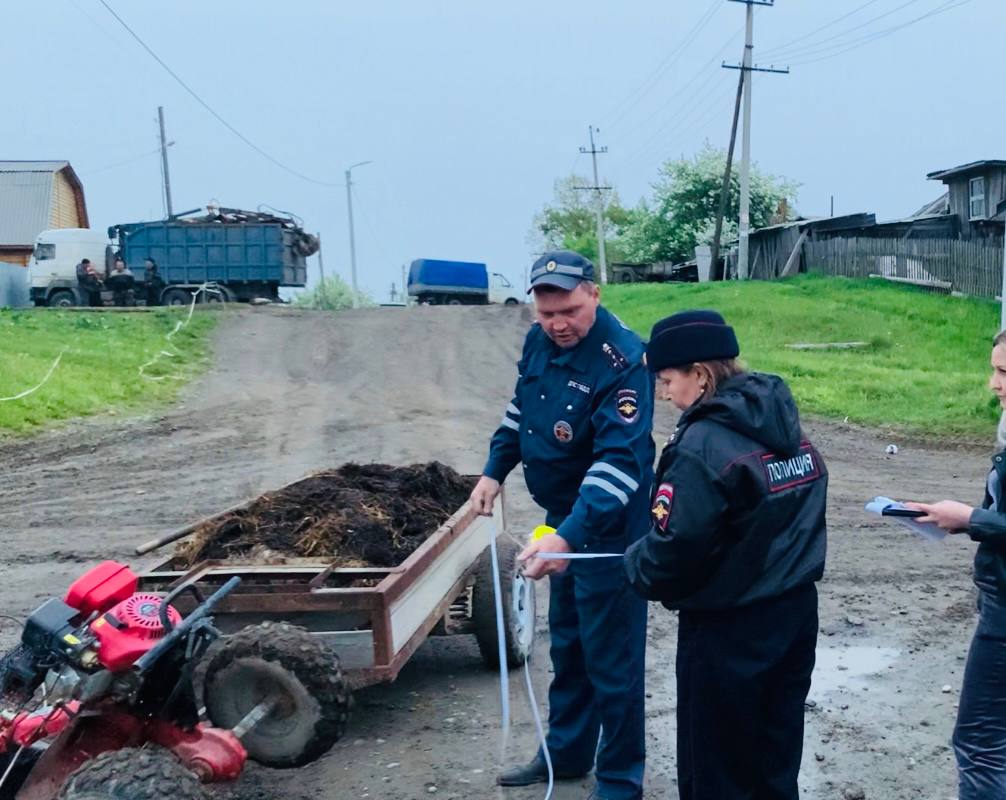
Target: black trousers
[743,676]
[980,734]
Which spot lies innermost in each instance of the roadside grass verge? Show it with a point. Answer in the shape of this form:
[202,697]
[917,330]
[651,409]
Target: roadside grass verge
[923,373]
[100,369]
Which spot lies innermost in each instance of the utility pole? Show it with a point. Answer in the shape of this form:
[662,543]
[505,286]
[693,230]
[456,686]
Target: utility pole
[164,161]
[321,271]
[599,209]
[725,189]
[352,236]
[1002,296]
[748,67]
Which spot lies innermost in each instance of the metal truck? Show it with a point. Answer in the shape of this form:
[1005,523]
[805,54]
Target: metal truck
[243,255]
[456,283]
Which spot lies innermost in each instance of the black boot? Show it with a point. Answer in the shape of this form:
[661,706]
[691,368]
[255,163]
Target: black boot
[534,772]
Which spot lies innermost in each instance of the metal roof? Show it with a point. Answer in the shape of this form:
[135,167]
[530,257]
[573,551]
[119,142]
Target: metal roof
[33,166]
[26,194]
[973,166]
[25,204]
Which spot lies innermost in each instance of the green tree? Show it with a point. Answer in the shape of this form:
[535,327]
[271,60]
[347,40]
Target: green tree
[570,222]
[681,211]
[332,294]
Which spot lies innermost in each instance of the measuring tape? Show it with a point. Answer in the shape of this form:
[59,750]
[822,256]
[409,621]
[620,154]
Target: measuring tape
[538,533]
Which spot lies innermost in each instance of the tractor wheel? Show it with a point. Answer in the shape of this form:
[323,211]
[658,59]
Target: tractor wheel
[133,774]
[518,607]
[286,663]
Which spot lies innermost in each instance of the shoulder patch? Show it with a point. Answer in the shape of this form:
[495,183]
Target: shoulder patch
[616,358]
[627,405]
[785,473]
[660,513]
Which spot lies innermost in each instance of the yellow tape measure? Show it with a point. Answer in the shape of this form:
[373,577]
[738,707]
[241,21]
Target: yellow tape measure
[540,531]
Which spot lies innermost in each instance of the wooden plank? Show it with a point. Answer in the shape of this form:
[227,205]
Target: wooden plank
[828,345]
[793,262]
[933,284]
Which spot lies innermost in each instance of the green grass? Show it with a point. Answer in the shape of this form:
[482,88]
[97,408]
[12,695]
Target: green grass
[925,370]
[100,369]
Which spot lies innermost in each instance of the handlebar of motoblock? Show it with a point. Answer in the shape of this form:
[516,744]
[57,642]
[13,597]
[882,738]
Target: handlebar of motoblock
[148,659]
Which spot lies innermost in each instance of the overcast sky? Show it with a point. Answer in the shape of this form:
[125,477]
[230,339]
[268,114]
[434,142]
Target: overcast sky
[470,110]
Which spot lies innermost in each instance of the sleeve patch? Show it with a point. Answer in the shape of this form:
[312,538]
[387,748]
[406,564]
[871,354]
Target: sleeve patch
[785,473]
[662,502]
[627,405]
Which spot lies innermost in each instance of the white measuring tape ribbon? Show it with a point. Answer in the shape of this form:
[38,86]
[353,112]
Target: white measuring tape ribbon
[204,288]
[501,645]
[42,383]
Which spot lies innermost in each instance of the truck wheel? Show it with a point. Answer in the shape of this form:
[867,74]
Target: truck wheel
[176,297]
[511,301]
[518,607]
[286,663]
[133,774]
[62,298]
[455,301]
[625,276]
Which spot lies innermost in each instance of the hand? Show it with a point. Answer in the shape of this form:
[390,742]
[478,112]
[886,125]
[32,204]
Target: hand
[948,514]
[484,494]
[536,568]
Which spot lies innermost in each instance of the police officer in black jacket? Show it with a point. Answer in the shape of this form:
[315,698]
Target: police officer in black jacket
[736,545]
[980,734]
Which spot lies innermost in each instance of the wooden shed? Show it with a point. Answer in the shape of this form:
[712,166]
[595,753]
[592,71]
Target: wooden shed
[976,197]
[36,196]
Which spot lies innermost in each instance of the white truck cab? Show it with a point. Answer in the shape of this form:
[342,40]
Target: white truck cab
[502,291]
[53,265]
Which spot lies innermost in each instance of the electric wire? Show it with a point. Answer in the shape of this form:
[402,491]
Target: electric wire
[631,100]
[210,108]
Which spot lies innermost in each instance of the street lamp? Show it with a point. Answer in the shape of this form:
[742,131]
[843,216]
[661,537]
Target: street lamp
[352,238]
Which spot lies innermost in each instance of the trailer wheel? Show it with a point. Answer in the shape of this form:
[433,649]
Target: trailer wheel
[133,774]
[176,297]
[518,607]
[284,662]
[62,298]
[625,276]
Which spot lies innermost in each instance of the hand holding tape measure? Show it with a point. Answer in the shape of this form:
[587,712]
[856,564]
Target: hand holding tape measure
[536,556]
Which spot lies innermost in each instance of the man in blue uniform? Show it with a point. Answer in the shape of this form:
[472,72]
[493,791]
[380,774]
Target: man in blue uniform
[580,423]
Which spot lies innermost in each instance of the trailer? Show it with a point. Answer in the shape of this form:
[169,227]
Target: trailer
[375,618]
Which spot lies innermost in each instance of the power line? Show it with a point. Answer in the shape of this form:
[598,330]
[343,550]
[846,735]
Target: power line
[689,85]
[789,52]
[826,25]
[124,162]
[640,92]
[862,42]
[209,108]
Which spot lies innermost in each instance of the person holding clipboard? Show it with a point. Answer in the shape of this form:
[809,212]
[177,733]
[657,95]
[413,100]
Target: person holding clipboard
[980,733]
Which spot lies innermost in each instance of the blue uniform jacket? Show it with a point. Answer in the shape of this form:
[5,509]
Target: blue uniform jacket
[580,422]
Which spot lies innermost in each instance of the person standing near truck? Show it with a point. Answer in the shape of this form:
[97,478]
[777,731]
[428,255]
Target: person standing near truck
[89,283]
[580,422]
[153,282]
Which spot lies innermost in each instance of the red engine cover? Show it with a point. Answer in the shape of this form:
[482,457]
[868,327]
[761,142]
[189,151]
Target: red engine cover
[98,590]
[130,629]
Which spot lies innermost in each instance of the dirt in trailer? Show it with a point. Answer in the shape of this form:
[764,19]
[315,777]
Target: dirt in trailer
[373,515]
[293,392]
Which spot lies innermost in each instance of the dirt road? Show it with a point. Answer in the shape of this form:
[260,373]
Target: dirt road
[291,392]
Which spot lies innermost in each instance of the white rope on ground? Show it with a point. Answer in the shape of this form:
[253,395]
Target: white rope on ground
[42,383]
[206,288]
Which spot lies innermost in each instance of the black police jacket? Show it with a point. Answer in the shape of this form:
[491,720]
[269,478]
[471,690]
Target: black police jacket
[988,528]
[738,513]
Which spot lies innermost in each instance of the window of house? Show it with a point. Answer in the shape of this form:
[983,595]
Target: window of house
[45,252]
[976,187]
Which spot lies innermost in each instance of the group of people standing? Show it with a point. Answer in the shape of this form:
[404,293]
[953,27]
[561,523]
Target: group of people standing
[729,531]
[121,281]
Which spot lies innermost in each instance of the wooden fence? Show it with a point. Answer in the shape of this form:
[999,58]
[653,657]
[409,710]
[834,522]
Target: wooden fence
[973,267]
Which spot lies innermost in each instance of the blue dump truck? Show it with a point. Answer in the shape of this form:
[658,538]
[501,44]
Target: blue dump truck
[245,254]
[456,283]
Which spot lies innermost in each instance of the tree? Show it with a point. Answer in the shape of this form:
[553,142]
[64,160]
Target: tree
[681,212]
[570,221]
[331,294]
